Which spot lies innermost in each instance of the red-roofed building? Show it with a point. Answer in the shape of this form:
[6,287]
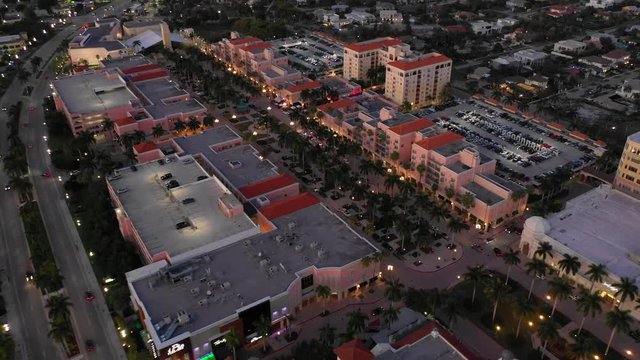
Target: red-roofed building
[360,57]
[556,126]
[256,47]
[293,93]
[510,108]
[272,189]
[557,11]
[147,151]
[618,56]
[456,29]
[420,82]
[400,133]
[353,350]
[149,75]
[439,140]
[411,126]
[288,206]
[578,135]
[335,113]
[244,41]
[139,69]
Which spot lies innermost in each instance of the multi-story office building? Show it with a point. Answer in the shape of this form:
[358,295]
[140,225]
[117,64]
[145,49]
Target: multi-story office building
[97,42]
[628,175]
[362,56]
[420,81]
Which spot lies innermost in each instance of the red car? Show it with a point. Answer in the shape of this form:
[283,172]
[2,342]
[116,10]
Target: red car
[90,346]
[47,174]
[89,297]
[498,252]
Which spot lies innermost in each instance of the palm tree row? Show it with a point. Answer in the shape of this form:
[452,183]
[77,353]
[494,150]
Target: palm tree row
[15,161]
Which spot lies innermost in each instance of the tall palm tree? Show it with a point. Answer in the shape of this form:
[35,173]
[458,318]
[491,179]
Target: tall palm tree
[547,332]
[58,306]
[232,341]
[596,273]
[582,348]
[536,268]
[494,291]
[179,126]
[193,124]
[357,321]
[107,126]
[560,288]
[390,315]
[456,226]
[323,292]
[618,320]
[263,329]
[569,264]
[158,131]
[511,258]
[474,275]
[394,290]
[439,213]
[60,331]
[522,309]
[627,289]
[544,249]
[589,304]
[207,121]
[327,335]
[391,182]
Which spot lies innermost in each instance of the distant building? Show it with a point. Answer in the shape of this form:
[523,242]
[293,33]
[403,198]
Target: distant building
[617,57]
[12,43]
[391,16]
[630,89]
[597,63]
[482,27]
[538,81]
[420,81]
[628,175]
[360,17]
[360,57]
[97,42]
[384,6]
[135,28]
[602,4]
[529,57]
[569,46]
[557,11]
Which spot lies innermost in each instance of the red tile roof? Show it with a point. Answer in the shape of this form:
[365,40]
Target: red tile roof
[144,147]
[373,45]
[456,28]
[149,75]
[267,185]
[510,108]
[289,205]
[492,101]
[578,135]
[342,103]
[616,54]
[439,140]
[600,143]
[416,64]
[243,40]
[140,68]
[254,47]
[426,330]
[353,350]
[411,126]
[125,121]
[304,86]
[555,125]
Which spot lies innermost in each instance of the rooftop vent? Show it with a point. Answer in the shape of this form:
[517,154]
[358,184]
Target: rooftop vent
[299,247]
[183,317]
[291,225]
[263,201]
[280,239]
[202,302]
[313,245]
[235,164]
[322,253]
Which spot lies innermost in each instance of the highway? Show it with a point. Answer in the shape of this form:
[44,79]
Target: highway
[26,312]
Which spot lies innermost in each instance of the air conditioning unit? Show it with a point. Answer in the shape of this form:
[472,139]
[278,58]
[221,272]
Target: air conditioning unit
[263,201]
[235,164]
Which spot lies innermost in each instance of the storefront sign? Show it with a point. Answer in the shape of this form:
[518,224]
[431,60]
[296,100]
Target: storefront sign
[175,348]
[180,350]
[219,342]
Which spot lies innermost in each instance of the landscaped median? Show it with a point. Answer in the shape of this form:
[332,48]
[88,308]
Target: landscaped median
[47,278]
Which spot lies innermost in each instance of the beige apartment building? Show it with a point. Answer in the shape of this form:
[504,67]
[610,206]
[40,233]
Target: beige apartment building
[419,81]
[628,175]
[362,56]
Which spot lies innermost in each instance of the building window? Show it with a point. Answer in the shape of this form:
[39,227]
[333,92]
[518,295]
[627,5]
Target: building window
[284,310]
[307,281]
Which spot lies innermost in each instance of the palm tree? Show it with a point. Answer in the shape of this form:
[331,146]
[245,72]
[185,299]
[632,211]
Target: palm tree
[357,321]
[589,304]
[193,124]
[569,264]
[263,329]
[179,126]
[618,320]
[232,341]
[158,131]
[627,288]
[560,288]
[327,335]
[107,126]
[536,268]
[456,226]
[439,213]
[451,310]
[323,292]
[522,309]
[58,306]
[547,332]
[207,121]
[475,275]
[394,291]
[544,249]
[511,258]
[22,186]
[390,315]
[596,273]
[582,348]
[391,182]
[60,331]
[494,291]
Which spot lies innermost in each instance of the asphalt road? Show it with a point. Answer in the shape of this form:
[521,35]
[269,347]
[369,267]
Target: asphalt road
[26,313]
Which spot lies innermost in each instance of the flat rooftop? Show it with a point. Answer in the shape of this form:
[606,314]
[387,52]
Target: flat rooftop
[162,93]
[602,225]
[226,279]
[125,63]
[483,194]
[239,166]
[211,137]
[91,92]
[452,148]
[155,211]
[457,167]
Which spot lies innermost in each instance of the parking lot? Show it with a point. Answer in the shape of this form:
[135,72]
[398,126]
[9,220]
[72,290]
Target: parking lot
[521,146]
[312,52]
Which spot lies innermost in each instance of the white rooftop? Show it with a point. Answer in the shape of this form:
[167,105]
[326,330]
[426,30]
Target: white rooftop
[90,92]
[155,210]
[602,226]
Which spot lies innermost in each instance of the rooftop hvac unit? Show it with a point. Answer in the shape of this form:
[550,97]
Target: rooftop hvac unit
[264,263]
[183,317]
[202,302]
[226,285]
[169,332]
[280,239]
[186,279]
[322,253]
[212,283]
[299,247]
[313,245]
[291,225]
[166,320]
[273,270]
[247,243]
[195,291]
[263,201]
[235,164]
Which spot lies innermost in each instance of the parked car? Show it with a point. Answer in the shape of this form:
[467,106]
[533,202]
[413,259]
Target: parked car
[498,252]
